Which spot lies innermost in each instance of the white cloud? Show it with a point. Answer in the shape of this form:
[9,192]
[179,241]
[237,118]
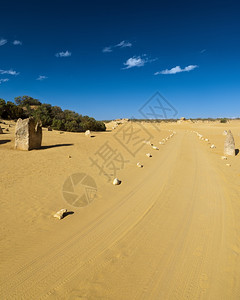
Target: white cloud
[41,77]
[124,44]
[177,69]
[63,54]
[9,72]
[3,42]
[17,42]
[3,80]
[137,61]
[107,49]
[203,50]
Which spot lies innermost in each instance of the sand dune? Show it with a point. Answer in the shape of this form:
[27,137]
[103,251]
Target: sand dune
[169,231]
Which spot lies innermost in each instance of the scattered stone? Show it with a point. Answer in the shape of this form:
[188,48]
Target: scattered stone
[149,155]
[224,158]
[206,140]
[60,214]
[1,131]
[212,146]
[69,156]
[88,133]
[116,181]
[139,165]
[225,132]
[49,128]
[228,165]
[161,143]
[155,147]
[229,145]
[28,134]
[7,129]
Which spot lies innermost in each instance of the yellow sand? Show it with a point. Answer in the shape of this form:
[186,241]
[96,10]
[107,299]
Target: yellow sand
[171,230]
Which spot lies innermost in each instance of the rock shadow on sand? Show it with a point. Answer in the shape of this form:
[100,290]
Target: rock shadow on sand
[55,146]
[67,213]
[236,151]
[4,141]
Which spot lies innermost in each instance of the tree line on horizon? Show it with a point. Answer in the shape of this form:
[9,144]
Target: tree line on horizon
[53,116]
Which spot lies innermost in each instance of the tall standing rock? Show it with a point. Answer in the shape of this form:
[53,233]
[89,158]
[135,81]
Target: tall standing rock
[28,134]
[229,145]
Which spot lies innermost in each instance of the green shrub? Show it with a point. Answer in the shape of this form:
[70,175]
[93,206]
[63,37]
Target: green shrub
[49,115]
[224,120]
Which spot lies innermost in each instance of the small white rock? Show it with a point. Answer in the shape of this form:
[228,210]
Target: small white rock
[149,155]
[139,165]
[155,147]
[116,181]
[212,146]
[228,165]
[88,133]
[60,214]
[224,157]
[206,140]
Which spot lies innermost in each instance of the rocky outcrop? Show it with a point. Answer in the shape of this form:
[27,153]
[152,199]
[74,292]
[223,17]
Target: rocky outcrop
[229,145]
[28,134]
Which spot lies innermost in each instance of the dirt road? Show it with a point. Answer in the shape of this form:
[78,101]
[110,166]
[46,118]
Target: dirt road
[172,233]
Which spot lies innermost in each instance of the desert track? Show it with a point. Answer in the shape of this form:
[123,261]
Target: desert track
[171,235]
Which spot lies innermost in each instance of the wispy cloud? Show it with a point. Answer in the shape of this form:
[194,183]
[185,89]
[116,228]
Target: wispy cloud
[9,72]
[3,80]
[17,43]
[177,69]
[203,50]
[107,49]
[122,44]
[41,77]
[3,42]
[137,61]
[63,54]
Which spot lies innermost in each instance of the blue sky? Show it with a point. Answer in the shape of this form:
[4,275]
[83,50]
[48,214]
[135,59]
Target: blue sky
[107,58]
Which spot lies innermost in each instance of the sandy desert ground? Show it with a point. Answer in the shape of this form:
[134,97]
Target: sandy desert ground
[171,230]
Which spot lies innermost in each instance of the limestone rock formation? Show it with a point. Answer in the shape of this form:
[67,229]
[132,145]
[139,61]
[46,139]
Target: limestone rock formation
[229,145]
[116,181]
[88,133]
[28,134]
[60,214]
